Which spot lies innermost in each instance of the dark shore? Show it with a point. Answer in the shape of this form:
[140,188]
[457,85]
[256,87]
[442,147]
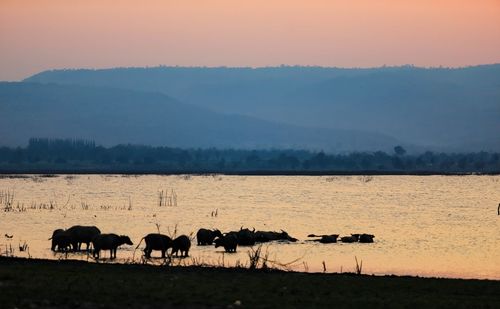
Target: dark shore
[30,283]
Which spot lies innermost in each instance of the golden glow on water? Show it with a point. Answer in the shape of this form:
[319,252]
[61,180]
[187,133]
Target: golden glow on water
[442,226]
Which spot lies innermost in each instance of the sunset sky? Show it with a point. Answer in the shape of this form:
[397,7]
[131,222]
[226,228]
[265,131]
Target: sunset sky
[36,35]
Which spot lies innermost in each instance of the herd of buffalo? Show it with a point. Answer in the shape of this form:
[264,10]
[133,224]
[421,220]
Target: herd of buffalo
[73,238]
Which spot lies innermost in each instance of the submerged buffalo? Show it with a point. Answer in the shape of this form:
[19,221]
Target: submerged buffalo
[366,238]
[109,242]
[82,235]
[350,239]
[266,236]
[182,244]
[329,239]
[205,237]
[325,239]
[229,242]
[61,240]
[157,242]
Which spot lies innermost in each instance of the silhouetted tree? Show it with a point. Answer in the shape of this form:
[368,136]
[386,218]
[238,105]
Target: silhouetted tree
[399,150]
[81,154]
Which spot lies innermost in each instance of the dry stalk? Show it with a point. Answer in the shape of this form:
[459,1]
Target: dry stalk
[359,266]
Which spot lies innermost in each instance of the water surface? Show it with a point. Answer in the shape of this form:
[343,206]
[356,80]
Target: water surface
[444,226]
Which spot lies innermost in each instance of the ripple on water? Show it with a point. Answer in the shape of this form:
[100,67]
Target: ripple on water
[436,226]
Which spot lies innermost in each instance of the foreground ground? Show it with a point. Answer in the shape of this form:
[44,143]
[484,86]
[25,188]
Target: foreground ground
[73,284]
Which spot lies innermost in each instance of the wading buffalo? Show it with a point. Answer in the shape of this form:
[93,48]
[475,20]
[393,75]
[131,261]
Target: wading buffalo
[229,242]
[158,242]
[182,244]
[366,238]
[266,236]
[109,242]
[82,234]
[245,236]
[206,237]
[60,239]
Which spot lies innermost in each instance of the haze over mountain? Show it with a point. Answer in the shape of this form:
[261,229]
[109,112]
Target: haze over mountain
[113,116]
[438,108]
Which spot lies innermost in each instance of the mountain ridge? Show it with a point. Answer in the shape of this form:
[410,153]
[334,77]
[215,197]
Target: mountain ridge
[442,108]
[116,116]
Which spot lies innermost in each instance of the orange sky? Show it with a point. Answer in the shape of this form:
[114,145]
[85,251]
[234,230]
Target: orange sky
[42,34]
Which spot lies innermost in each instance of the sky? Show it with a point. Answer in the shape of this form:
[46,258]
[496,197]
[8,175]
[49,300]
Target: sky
[37,35]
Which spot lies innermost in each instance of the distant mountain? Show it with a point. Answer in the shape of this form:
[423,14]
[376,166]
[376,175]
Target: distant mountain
[441,108]
[113,116]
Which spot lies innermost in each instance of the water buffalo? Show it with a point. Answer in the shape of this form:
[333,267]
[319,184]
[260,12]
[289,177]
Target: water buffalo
[82,234]
[157,242]
[329,239]
[325,239]
[350,239]
[60,239]
[366,238]
[245,237]
[206,237]
[182,244]
[266,236]
[109,242]
[229,242]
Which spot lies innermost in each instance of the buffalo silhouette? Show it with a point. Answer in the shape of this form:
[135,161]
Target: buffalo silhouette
[206,237]
[158,242]
[350,239]
[229,242]
[109,242]
[182,244]
[82,234]
[329,239]
[266,236]
[366,238]
[246,237]
[61,240]
[325,239]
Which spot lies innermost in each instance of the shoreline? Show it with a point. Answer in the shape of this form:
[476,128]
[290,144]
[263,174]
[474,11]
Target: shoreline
[41,283]
[270,269]
[49,172]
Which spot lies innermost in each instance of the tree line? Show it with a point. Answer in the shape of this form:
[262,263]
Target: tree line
[46,155]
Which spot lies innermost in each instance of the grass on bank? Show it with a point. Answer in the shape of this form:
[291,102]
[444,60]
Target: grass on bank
[68,284]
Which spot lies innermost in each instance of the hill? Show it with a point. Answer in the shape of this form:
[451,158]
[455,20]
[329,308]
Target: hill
[113,116]
[438,108]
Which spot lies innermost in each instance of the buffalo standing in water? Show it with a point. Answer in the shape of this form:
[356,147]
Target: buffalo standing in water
[229,242]
[182,244]
[109,242]
[158,242]
[60,239]
[82,234]
[245,236]
[206,237]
